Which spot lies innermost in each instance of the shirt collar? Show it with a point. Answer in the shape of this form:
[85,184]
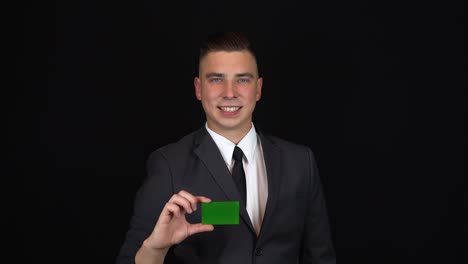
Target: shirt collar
[248,144]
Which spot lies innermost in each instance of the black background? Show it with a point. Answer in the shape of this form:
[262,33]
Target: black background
[373,88]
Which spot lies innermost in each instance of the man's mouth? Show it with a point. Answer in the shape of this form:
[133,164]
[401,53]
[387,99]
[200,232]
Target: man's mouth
[230,108]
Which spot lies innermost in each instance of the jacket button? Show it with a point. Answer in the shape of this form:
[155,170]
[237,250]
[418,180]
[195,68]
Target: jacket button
[258,252]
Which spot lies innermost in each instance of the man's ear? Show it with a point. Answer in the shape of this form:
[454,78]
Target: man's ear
[258,95]
[196,83]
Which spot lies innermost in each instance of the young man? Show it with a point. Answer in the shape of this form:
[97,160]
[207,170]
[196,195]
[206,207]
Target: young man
[283,216]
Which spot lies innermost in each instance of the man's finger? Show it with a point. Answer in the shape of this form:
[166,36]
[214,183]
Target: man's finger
[203,199]
[173,209]
[192,199]
[182,201]
[198,228]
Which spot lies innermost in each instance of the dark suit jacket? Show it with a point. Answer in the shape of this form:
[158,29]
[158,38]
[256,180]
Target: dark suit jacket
[295,228]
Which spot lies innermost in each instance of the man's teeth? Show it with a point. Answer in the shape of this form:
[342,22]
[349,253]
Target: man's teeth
[230,108]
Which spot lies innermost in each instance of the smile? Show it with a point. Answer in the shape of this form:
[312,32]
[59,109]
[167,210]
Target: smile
[230,108]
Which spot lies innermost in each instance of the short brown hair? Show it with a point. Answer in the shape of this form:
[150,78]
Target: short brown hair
[226,41]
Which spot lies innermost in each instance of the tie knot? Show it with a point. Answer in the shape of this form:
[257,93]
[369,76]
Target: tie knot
[238,154]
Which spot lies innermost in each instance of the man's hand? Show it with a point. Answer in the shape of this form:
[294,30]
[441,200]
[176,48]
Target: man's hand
[172,227]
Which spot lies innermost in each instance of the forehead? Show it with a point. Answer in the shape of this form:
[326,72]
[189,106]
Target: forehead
[228,61]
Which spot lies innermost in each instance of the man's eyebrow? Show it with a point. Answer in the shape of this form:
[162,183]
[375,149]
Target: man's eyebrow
[214,74]
[245,74]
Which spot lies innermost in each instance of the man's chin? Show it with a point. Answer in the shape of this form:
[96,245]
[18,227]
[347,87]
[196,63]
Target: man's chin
[237,127]
[226,126]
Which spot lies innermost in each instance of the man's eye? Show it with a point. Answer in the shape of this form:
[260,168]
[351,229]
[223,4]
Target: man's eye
[242,80]
[215,80]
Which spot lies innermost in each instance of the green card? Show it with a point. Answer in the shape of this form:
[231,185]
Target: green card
[220,213]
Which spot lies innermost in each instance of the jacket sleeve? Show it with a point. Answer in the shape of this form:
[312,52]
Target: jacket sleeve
[317,246]
[150,199]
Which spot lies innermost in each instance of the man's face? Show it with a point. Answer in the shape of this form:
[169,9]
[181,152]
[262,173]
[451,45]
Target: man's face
[228,87]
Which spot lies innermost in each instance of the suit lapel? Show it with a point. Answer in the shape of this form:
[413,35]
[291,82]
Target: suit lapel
[272,157]
[208,152]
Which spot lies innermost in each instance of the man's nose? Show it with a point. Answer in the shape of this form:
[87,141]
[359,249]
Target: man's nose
[229,90]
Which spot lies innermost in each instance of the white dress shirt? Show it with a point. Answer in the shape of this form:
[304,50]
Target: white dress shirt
[255,171]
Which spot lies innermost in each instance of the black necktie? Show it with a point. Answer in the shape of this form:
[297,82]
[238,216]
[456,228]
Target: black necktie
[238,174]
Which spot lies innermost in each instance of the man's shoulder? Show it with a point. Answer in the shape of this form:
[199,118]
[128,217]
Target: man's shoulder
[282,143]
[291,152]
[183,145]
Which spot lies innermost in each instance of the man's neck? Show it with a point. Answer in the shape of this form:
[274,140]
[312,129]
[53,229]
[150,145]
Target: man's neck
[235,135]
